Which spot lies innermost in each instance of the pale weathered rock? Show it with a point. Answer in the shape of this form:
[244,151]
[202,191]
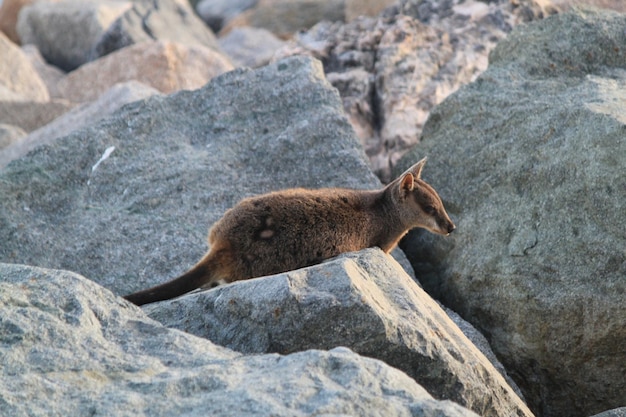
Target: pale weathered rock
[250,47]
[563,5]
[9,135]
[364,301]
[285,17]
[9,10]
[18,79]
[217,12]
[31,115]
[78,118]
[529,160]
[357,8]
[93,353]
[49,74]
[415,54]
[178,163]
[163,65]
[65,32]
[164,20]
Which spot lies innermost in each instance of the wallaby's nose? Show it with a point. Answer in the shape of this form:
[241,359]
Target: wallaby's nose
[451,228]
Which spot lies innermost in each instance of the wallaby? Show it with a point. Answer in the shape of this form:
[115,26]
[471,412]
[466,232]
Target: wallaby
[294,228]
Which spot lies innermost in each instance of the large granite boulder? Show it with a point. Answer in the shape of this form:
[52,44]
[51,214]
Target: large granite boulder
[362,300]
[70,33]
[69,347]
[146,20]
[128,202]
[65,32]
[530,161]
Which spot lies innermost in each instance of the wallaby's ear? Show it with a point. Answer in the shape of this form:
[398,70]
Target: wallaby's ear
[407,183]
[415,170]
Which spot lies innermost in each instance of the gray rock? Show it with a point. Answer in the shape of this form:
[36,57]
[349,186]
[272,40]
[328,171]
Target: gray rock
[362,300]
[65,32]
[147,20]
[529,160]
[285,17]
[250,47]
[177,164]
[9,135]
[70,347]
[216,12]
[18,79]
[77,118]
[617,412]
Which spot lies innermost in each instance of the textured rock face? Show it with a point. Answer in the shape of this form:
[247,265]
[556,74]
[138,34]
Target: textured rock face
[529,160]
[166,66]
[284,17]
[18,79]
[65,32]
[245,133]
[250,47]
[364,301]
[82,116]
[147,20]
[393,69]
[70,347]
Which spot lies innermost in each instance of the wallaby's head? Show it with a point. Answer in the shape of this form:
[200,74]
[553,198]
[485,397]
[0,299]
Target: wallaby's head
[418,203]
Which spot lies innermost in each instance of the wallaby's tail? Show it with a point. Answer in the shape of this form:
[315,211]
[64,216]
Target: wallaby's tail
[196,277]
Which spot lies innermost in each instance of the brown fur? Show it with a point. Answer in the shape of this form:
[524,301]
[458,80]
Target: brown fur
[291,229]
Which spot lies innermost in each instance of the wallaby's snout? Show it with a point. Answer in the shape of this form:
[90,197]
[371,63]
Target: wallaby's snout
[451,227]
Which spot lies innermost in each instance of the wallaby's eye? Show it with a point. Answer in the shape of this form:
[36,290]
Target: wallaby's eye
[429,210]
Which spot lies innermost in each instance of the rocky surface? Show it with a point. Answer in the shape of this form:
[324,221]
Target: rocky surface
[393,69]
[127,200]
[123,191]
[363,301]
[148,216]
[166,66]
[149,20]
[529,161]
[617,412]
[70,33]
[70,347]
[65,32]
[19,80]
[9,135]
[250,47]
[79,117]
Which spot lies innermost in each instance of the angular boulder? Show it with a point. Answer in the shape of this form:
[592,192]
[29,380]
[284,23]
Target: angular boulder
[362,300]
[128,202]
[71,347]
[65,32]
[18,79]
[529,160]
[164,65]
[147,20]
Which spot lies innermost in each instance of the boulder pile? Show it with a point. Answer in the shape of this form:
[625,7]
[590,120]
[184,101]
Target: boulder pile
[127,128]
